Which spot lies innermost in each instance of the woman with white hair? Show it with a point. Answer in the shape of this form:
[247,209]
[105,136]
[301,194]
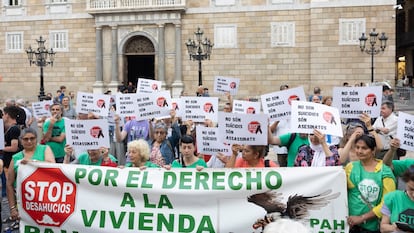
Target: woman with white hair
[139,153]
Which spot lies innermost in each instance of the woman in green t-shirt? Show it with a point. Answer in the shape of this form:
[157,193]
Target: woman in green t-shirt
[139,154]
[187,156]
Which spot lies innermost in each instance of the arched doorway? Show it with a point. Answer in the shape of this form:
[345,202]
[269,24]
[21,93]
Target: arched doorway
[140,59]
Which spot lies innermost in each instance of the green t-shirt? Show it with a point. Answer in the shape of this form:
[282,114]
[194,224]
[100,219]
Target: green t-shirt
[58,128]
[85,160]
[147,164]
[401,207]
[199,162]
[400,166]
[38,155]
[294,147]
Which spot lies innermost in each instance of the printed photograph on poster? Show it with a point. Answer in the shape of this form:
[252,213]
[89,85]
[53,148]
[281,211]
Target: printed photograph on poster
[246,107]
[226,84]
[278,104]
[200,108]
[97,104]
[42,108]
[87,134]
[148,86]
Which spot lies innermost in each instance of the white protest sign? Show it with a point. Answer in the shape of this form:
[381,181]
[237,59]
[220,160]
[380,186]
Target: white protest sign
[226,84]
[353,101]
[249,129]
[177,106]
[307,116]
[41,109]
[1,134]
[87,134]
[208,141]
[246,107]
[98,104]
[198,109]
[405,131]
[144,106]
[148,85]
[278,104]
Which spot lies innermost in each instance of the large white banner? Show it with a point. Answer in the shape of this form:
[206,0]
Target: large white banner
[198,109]
[278,104]
[77,198]
[246,107]
[405,131]
[148,85]
[353,101]
[87,134]
[144,106]
[208,141]
[98,104]
[1,134]
[226,84]
[41,109]
[307,116]
[249,129]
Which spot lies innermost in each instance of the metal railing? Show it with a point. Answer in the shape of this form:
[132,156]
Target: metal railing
[131,4]
[404,98]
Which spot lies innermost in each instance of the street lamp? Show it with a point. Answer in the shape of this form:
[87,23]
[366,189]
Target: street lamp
[199,50]
[41,60]
[373,36]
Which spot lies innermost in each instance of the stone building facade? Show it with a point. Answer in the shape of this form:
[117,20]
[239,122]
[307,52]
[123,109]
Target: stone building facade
[265,43]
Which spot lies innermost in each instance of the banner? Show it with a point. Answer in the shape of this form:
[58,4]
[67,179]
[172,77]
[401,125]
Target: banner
[226,84]
[87,134]
[278,104]
[249,129]
[307,116]
[405,131]
[148,85]
[246,107]
[198,109]
[98,104]
[353,101]
[41,109]
[1,134]
[76,198]
[208,141]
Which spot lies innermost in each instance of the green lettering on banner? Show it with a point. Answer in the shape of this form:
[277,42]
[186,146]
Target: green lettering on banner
[168,224]
[169,181]
[143,219]
[131,222]
[80,173]
[95,179]
[117,222]
[145,183]
[186,223]
[103,219]
[250,179]
[218,177]
[275,175]
[202,178]
[327,225]
[132,180]
[232,177]
[185,177]
[127,200]
[88,222]
[111,175]
[146,202]
[164,201]
[33,229]
[205,225]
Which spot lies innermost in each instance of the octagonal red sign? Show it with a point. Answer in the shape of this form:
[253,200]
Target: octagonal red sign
[48,196]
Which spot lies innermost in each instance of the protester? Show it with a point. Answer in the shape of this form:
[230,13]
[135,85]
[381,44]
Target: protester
[94,157]
[32,151]
[317,153]
[187,158]
[398,206]
[29,116]
[68,110]
[54,132]
[11,134]
[368,181]
[397,166]
[386,126]
[139,153]
[252,156]
[292,141]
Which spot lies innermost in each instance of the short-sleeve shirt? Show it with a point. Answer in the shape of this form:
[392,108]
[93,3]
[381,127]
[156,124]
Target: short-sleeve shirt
[241,163]
[85,160]
[199,162]
[58,148]
[13,133]
[294,147]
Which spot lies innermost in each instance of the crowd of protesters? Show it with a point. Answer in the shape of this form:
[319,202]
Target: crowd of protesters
[368,151]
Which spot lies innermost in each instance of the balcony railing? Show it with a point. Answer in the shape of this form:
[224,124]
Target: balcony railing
[119,5]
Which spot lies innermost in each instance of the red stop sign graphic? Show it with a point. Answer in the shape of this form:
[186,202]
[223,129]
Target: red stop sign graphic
[293,97]
[253,126]
[48,196]
[250,110]
[208,107]
[95,131]
[370,99]
[100,103]
[161,102]
[327,116]
[154,87]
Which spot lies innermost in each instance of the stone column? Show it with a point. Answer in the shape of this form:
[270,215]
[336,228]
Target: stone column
[178,84]
[98,85]
[161,54]
[114,60]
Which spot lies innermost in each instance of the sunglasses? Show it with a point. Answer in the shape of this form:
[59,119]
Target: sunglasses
[29,139]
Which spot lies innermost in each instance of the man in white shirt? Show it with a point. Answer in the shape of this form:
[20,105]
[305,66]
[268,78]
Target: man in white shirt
[386,126]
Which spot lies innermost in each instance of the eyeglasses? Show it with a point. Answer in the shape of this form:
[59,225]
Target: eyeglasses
[159,132]
[29,139]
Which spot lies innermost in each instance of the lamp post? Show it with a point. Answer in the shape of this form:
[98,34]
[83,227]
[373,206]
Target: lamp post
[41,60]
[199,50]
[372,50]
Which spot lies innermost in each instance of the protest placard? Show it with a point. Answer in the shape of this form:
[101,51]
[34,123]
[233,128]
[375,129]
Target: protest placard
[148,85]
[353,101]
[237,128]
[307,116]
[87,134]
[405,131]
[144,106]
[97,104]
[278,104]
[246,107]
[1,134]
[208,141]
[58,198]
[226,84]
[200,108]
[41,109]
